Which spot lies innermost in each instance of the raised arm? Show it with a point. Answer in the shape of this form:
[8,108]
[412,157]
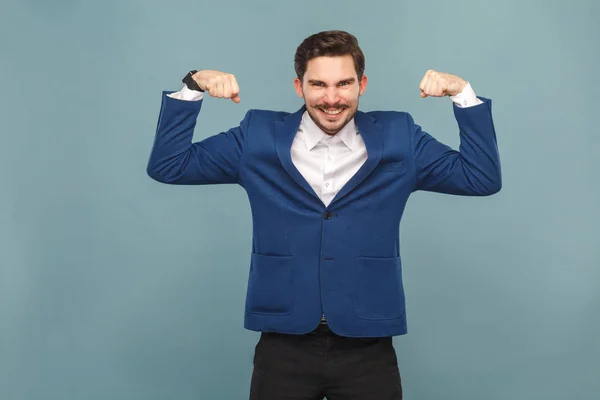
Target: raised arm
[473,170]
[174,159]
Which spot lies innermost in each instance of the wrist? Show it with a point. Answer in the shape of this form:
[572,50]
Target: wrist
[460,87]
[191,83]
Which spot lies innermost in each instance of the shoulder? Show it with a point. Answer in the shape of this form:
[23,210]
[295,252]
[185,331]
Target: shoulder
[390,119]
[265,116]
[389,116]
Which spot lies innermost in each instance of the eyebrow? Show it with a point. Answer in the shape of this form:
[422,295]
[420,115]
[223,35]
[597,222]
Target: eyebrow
[347,80]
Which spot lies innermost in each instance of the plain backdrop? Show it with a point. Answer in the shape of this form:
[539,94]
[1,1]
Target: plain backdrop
[113,286]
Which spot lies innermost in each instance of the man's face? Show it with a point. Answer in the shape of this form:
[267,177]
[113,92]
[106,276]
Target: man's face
[330,89]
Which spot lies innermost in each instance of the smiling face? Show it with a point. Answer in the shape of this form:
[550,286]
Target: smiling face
[330,89]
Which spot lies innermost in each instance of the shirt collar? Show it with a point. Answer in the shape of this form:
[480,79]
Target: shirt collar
[313,134]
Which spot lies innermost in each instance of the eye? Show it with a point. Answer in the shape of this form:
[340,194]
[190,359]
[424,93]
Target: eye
[345,83]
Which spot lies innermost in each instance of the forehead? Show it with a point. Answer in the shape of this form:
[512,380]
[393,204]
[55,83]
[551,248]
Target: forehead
[330,69]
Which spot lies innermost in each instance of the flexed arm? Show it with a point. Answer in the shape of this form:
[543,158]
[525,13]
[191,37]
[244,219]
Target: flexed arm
[474,170]
[174,159]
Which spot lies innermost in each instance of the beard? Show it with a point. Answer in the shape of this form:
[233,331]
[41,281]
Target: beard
[331,127]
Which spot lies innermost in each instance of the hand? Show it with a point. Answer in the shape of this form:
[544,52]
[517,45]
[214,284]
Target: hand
[218,84]
[439,84]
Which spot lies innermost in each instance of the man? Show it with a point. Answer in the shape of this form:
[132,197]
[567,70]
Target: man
[327,187]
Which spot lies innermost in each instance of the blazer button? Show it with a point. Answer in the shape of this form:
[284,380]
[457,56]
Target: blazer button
[328,215]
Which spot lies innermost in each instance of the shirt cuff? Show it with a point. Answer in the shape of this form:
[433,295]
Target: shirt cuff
[187,94]
[466,98]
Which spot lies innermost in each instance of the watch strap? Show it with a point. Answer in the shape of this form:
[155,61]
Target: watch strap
[189,81]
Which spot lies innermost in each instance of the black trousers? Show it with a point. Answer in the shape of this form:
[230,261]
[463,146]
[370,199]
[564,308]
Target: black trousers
[322,365]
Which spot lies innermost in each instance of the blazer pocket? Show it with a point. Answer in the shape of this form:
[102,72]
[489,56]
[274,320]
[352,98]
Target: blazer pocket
[270,285]
[390,167]
[379,290]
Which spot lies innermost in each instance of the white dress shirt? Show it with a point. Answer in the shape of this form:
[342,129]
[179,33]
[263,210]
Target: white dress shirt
[328,162]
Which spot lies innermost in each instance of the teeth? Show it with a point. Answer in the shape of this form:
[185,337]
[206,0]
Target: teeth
[332,112]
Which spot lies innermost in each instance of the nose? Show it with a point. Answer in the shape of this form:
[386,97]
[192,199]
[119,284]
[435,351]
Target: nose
[331,96]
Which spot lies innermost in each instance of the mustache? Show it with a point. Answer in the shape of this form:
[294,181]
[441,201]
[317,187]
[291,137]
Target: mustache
[335,107]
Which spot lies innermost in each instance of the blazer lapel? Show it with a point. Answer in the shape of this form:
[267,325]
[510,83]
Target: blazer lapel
[285,131]
[370,132]
[368,128]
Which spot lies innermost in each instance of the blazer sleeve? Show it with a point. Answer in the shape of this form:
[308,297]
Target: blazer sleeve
[174,159]
[473,170]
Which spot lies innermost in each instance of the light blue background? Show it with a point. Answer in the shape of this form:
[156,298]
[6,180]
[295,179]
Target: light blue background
[113,286]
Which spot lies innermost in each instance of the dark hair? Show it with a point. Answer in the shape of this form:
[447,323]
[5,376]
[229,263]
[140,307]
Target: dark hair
[329,43]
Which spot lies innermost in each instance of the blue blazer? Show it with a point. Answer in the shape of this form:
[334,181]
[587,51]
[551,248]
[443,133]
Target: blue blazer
[342,260]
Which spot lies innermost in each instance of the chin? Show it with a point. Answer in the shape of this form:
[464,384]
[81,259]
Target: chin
[333,128]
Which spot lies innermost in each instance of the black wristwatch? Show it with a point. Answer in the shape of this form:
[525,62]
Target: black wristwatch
[190,82]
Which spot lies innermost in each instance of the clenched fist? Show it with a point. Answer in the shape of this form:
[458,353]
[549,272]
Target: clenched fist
[439,84]
[218,84]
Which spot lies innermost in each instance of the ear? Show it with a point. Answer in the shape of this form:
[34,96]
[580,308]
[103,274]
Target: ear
[363,85]
[298,86]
